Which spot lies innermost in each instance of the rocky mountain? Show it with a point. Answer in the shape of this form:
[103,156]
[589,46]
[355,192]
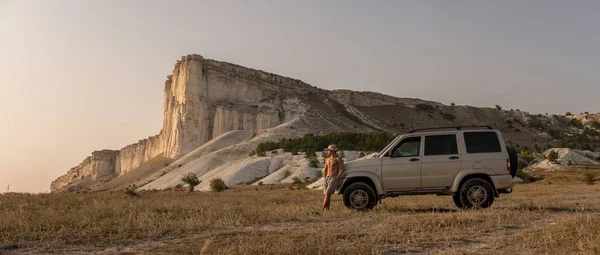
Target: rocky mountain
[216,113]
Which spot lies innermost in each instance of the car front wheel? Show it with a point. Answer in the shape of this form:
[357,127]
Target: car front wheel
[359,196]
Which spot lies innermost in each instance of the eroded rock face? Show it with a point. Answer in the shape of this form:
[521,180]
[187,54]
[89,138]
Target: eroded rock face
[202,99]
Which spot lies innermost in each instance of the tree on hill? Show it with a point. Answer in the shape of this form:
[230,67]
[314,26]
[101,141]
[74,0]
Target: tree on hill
[191,179]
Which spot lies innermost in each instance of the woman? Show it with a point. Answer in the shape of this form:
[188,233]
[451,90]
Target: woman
[333,170]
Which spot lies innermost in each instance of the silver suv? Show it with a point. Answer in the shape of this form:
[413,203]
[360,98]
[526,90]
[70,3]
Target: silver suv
[470,163]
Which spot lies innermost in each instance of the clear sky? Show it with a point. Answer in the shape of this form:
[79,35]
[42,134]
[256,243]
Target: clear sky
[82,75]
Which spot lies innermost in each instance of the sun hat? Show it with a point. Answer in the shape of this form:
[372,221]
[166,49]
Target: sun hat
[331,147]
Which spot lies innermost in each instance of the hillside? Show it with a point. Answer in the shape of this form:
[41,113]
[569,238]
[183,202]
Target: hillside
[217,113]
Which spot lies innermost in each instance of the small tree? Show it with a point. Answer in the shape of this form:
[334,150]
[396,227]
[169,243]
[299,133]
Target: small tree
[218,185]
[568,114]
[553,156]
[191,179]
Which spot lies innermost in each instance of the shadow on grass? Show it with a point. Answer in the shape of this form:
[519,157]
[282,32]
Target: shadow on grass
[421,210]
[532,208]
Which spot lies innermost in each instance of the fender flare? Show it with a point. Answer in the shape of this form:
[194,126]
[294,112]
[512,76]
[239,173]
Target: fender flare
[362,174]
[460,176]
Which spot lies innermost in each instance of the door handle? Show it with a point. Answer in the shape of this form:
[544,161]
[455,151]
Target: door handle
[454,157]
[414,159]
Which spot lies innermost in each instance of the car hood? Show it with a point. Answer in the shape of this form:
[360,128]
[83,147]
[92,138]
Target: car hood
[371,164]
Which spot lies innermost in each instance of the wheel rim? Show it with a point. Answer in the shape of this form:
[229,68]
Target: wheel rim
[359,199]
[477,195]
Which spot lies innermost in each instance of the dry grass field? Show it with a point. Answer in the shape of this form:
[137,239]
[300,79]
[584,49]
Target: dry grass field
[557,215]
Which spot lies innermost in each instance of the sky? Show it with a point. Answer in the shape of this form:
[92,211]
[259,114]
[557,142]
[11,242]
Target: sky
[82,75]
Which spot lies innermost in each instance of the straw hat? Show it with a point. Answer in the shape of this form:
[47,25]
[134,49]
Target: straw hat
[331,147]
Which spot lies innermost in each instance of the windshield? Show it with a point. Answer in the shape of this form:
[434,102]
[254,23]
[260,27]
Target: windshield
[388,146]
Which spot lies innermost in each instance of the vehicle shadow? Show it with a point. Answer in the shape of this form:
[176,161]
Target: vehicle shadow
[398,209]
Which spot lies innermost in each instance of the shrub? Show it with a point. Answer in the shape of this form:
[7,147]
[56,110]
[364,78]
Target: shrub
[595,124]
[191,179]
[261,153]
[260,184]
[296,180]
[341,154]
[361,154]
[252,153]
[313,162]
[553,156]
[452,104]
[576,123]
[498,107]
[590,178]
[287,174]
[568,114]
[425,107]
[217,185]
[294,151]
[131,190]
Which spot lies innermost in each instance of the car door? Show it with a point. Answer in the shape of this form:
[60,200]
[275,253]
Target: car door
[401,169]
[441,161]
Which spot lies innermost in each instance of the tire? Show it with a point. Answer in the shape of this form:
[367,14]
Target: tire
[359,196]
[475,193]
[456,199]
[514,160]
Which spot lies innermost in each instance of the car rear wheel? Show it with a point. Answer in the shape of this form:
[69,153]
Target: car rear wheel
[359,196]
[475,193]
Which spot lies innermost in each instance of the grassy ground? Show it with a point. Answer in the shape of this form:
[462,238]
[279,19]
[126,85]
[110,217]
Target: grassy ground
[561,216]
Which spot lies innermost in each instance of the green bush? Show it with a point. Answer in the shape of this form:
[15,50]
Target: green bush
[590,178]
[131,190]
[341,154]
[296,180]
[294,151]
[191,179]
[361,154]
[576,123]
[553,156]
[218,185]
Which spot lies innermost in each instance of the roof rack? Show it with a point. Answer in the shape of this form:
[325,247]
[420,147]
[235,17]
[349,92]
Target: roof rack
[454,127]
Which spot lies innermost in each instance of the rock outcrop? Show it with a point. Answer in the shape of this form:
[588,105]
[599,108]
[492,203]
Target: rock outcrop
[203,99]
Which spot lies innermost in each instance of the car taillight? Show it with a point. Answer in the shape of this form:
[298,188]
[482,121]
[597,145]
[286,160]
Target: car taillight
[508,165]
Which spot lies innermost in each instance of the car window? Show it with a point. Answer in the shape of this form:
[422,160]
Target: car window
[440,145]
[482,142]
[409,147]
